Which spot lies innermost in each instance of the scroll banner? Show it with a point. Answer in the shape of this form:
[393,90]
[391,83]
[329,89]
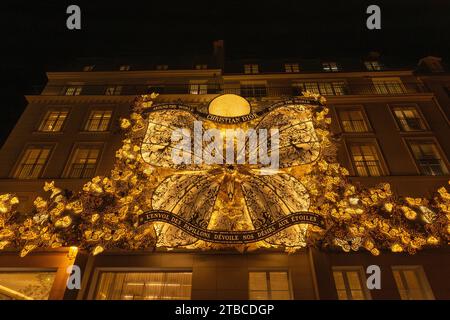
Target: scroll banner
[231,237]
[232,120]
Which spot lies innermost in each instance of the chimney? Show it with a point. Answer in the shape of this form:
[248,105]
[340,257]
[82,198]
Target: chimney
[219,53]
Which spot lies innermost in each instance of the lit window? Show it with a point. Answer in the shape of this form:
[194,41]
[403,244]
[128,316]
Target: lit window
[330,66]
[409,119]
[144,286]
[25,285]
[350,283]
[412,283]
[201,66]
[352,120]
[373,65]
[388,85]
[124,68]
[335,88]
[291,67]
[73,91]
[33,162]
[98,120]
[269,285]
[251,68]
[253,90]
[162,67]
[53,121]
[428,158]
[84,162]
[365,159]
[198,88]
[113,90]
[88,68]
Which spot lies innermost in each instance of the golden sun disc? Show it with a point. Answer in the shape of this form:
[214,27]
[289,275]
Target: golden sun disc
[229,105]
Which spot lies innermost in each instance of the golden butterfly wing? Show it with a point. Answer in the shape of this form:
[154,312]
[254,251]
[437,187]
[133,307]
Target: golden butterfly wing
[166,129]
[298,143]
[190,196]
[269,198]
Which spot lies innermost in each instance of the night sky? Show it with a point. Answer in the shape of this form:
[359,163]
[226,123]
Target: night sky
[34,36]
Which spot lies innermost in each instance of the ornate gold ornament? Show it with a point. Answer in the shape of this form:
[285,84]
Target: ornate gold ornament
[150,201]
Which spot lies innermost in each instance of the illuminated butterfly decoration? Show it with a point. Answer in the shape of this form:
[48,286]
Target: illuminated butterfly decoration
[232,197]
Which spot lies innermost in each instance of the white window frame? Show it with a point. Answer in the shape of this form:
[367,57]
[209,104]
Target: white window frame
[421,277]
[269,290]
[362,278]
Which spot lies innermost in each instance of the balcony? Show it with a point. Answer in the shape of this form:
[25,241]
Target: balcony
[256,91]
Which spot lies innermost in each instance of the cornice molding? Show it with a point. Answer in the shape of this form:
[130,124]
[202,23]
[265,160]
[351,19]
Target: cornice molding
[317,75]
[380,98]
[94,75]
[79,99]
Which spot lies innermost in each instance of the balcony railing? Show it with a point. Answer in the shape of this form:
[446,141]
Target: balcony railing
[245,90]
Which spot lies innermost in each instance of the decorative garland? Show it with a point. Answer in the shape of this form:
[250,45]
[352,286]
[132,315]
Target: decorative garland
[104,214]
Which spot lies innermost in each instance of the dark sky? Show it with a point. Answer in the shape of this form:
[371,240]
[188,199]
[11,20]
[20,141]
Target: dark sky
[34,36]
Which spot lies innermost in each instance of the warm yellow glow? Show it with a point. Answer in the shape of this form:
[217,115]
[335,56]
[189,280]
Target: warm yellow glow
[73,251]
[229,105]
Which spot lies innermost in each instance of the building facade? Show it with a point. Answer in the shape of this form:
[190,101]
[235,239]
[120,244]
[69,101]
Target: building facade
[393,125]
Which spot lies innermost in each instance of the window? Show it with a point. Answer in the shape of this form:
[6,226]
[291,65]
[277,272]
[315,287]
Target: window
[198,88]
[144,286]
[409,118]
[124,67]
[73,91]
[350,283]
[26,285]
[83,162]
[269,285]
[336,88]
[32,162]
[251,68]
[373,65]
[53,121]
[330,66]
[388,85]
[352,120]
[201,66]
[428,158]
[253,90]
[88,68]
[412,283]
[291,67]
[113,90]
[365,159]
[98,120]
[162,67]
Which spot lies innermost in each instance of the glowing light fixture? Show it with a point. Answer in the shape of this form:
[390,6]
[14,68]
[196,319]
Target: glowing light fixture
[229,105]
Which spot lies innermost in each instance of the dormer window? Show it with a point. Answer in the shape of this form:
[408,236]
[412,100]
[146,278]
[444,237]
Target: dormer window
[162,67]
[330,66]
[201,66]
[88,68]
[251,68]
[124,67]
[373,65]
[291,67]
